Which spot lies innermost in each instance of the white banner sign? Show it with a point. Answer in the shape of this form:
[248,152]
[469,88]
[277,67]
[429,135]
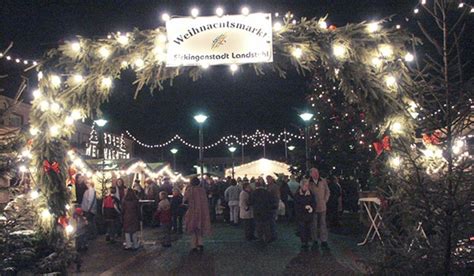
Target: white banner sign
[211,40]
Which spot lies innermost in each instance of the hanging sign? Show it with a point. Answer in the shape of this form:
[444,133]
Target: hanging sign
[211,40]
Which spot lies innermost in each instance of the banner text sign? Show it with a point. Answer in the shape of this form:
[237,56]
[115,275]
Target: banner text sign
[212,40]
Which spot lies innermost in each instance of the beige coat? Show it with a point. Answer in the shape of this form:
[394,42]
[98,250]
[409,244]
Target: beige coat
[246,211]
[321,193]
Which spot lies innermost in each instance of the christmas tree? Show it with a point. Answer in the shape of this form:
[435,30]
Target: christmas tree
[341,143]
[429,219]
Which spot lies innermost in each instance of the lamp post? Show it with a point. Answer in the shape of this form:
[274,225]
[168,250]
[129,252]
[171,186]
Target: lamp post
[306,117]
[200,119]
[232,149]
[101,154]
[290,148]
[174,151]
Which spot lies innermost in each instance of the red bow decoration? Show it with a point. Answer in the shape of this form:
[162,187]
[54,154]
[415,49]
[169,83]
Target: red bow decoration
[432,139]
[47,166]
[64,221]
[382,145]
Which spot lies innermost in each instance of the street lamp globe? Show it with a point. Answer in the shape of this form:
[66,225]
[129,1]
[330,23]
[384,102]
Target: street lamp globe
[306,116]
[200,118]
[291,148]
[174,150]
[232,149]
[101,122]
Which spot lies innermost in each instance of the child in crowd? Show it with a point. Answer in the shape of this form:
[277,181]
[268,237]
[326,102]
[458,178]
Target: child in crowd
[164,215]
[112,213]
[177,211]
[305,204]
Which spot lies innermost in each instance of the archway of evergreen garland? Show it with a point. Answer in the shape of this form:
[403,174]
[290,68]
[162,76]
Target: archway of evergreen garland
[63,94]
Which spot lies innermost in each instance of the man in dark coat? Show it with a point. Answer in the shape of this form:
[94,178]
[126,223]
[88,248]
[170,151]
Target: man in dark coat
[264,205]
[334,204]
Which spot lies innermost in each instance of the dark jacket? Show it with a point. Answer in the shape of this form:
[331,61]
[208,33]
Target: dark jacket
[336,192]
[131,216]
[177,207]
[285,191]
[301,201]
[263,203]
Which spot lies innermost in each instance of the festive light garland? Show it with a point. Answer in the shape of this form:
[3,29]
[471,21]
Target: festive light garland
[258,139]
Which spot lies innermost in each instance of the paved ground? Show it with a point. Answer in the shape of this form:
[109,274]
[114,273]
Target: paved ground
[227,254]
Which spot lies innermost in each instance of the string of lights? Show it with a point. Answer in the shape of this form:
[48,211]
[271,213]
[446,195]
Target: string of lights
[17,59]
[258,139]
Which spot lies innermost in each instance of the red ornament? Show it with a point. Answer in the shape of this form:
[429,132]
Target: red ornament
[332,28]
[53,166]
[63,221]
[382,145]
[432,139]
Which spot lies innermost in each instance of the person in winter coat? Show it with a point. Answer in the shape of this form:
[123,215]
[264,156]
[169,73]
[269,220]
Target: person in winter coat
[273,188]
[111,213]
[177,211]
[164,215]
[120,189]
[131,219]
[264,205]
[197,218]
[305,205]
[319,188]
[334,204]
[89,207]
[232,198]
[246,212]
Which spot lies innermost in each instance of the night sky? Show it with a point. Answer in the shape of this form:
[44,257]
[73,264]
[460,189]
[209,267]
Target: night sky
[243,102]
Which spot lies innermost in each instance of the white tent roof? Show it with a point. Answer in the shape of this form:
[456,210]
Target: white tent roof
[261,167]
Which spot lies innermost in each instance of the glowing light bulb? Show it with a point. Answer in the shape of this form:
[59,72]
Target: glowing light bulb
[386,50]
[219,11]
[461,5]
[123,64]
[26,153]
[40,75]
[106,82]
[396,128]
[55,81]
[17,60]
[76,46]
[44,105]
[297,52]
[77,78]
[139,63]
[395,162]
[245,11]
[277,26]
[122,39]
[45,214]
[34,194]
[376,62]
[55,107]
[76,114]
[323,24]
[34,131]
[69,229]
[54,130]
[373,27]
[37,94]
[423,2]
[409,57]
[398,26]
[234,68]
[165,17]
[22,169]
[416,10]
[69,120]
[339,50]
[194,12]
[391,81]
[162,38]
[104,52]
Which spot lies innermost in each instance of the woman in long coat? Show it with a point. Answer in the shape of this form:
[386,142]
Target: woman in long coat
[197,219]
[131,219]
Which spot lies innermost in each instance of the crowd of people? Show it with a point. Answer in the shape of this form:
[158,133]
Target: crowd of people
[255,203]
